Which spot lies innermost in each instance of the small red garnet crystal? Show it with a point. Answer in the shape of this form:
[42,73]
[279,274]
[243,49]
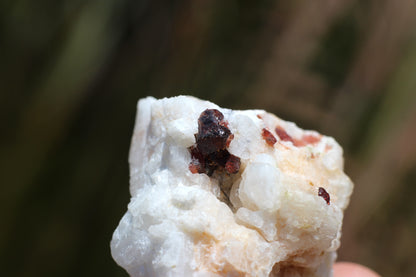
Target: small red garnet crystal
[268,137]
[324,194]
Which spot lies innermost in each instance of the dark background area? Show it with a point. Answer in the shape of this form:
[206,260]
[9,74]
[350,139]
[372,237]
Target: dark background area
[71,73]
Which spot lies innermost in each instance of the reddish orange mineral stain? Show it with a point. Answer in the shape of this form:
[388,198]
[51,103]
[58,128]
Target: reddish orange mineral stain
[283,135]
[328,147]
[311,139]
[305,140]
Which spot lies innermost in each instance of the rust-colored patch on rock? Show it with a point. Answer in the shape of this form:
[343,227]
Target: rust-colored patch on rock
[305,140]
[328,147]
[283,135]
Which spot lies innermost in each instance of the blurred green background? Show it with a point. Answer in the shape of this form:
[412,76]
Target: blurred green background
[71,73]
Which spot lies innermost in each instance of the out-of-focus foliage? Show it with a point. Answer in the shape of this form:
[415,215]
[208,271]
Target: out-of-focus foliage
[72,71]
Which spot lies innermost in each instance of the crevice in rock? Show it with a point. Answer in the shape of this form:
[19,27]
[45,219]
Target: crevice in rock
[283,269]
[225,183]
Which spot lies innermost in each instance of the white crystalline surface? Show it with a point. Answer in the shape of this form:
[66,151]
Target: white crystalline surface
[274,221]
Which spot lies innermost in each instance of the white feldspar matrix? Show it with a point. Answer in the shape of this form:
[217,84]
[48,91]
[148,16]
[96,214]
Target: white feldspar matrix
[220,192]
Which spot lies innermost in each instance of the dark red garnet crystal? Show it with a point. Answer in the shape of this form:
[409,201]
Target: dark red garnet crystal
[210,153]
[324,194]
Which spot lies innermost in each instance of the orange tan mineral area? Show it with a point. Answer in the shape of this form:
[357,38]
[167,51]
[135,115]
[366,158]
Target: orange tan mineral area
[231,255]
[207,252]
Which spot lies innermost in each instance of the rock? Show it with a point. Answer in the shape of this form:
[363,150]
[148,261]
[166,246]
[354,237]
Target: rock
[217,192]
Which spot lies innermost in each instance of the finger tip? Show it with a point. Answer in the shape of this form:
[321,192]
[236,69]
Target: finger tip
[346,269]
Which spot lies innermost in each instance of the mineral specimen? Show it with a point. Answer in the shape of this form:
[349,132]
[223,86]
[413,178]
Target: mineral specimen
[217,192]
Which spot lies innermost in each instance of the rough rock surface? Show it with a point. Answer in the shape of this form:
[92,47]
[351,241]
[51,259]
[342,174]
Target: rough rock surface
[274,209]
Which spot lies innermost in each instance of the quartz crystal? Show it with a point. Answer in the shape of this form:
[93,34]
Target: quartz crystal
[220,192]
